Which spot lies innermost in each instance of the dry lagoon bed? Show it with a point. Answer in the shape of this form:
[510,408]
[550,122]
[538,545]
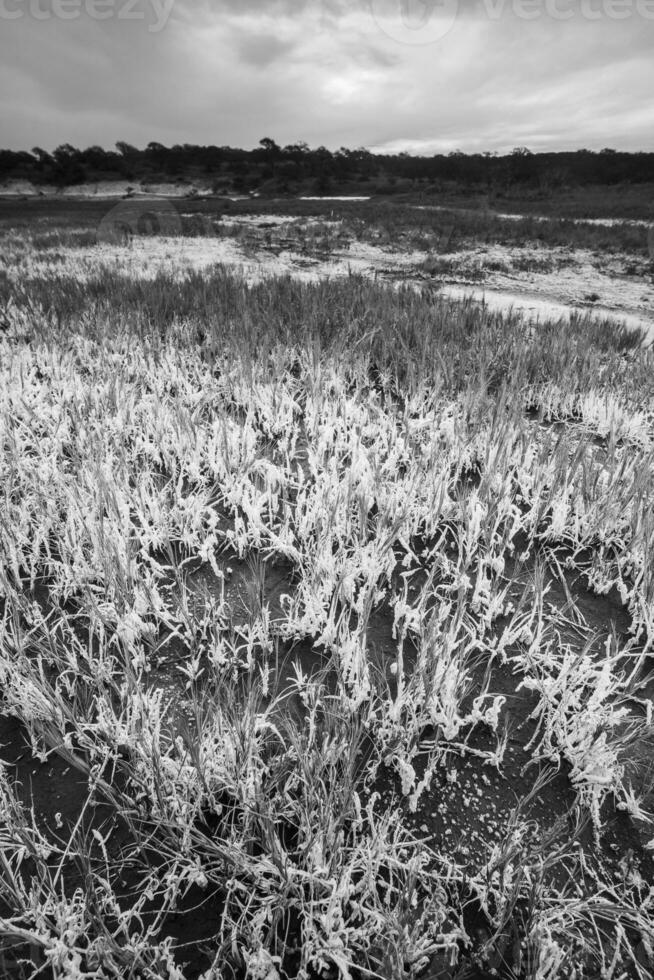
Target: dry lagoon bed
[326,615]
[540,279]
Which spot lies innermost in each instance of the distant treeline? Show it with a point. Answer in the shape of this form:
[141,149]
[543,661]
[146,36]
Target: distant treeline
[289,169]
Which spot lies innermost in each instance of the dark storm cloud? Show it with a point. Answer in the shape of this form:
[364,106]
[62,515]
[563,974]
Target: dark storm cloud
[261,50]
[418,75]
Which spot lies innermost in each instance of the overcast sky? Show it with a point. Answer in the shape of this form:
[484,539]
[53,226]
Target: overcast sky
[387,74]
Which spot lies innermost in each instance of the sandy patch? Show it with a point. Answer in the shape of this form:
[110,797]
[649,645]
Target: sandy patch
[18,188]
[602,222]
[540,283]
[147,257]
[110,189]
[578,279]
[346,197]
[538,309]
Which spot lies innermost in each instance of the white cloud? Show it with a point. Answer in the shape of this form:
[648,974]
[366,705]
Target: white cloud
[231,72]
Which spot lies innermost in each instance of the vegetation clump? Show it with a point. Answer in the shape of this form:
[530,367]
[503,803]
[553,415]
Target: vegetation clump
[325,624]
